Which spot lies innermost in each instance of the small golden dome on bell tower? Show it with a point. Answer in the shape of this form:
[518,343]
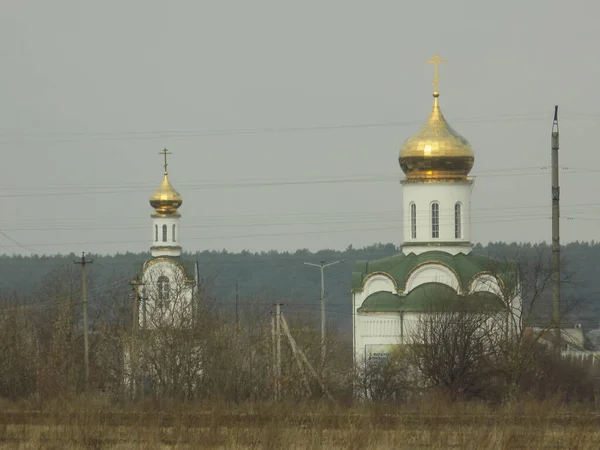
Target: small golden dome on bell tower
[166,200]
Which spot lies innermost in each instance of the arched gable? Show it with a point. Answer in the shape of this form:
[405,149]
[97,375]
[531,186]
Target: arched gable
[486,282]
[168,266]
[166,294]
[433,272]
[379,281]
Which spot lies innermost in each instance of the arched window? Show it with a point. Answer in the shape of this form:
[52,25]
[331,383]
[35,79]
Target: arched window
[457,221]
[435,220]
[164,233]
[173,233]
[163,290]
[155,233]
[413,221]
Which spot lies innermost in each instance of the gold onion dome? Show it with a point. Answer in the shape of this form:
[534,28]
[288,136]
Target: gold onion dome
[436,152]
[166,199]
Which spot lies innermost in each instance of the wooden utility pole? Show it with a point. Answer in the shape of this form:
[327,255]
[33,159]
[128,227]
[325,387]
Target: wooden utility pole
[274,358]
[295,351]
[83,263]
[278,354]
[237,322]
[305,359]
[235,343]
[555,233]
[135,326]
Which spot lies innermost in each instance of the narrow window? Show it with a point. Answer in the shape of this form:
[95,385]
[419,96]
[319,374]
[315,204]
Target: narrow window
[173,233]
[435,220]
[457,221]
[164,233]
[413,221]
[155,233]
[163,290]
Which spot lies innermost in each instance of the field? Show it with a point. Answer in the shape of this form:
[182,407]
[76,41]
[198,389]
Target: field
[309,426]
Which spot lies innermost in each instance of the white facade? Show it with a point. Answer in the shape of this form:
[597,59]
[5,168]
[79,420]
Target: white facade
[166,295]
[377,333]
[165,235]
[437,214]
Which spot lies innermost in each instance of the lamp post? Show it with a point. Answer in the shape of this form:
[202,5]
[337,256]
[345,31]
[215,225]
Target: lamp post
[322,266]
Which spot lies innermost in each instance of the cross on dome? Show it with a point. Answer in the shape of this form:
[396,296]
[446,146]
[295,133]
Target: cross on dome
[436,61]
[165,152]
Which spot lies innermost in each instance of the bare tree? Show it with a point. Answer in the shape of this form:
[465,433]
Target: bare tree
[452,347]
[527,278]
[385,379]
[165,354]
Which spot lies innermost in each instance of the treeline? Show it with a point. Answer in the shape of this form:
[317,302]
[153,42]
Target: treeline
[282,276]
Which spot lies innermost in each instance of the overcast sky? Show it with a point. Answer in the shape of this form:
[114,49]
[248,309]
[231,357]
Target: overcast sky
[328,91]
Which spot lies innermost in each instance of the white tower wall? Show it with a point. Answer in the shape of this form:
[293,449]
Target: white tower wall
[418,233]
[165,241]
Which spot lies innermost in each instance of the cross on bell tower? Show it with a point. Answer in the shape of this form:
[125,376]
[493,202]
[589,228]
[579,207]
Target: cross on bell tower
[165,152]
[436,61]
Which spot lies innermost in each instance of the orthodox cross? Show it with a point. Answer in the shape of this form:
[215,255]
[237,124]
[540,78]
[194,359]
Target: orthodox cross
[435,61]
[165,152]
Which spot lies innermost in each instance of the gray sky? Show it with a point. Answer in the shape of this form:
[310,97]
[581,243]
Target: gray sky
[92,91]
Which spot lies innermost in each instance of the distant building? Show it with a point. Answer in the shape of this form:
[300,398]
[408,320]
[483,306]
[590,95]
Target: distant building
[436,261]
[167,282]
[166,295]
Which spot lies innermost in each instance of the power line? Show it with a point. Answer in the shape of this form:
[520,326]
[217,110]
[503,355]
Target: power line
[109,190]
[170,134]
[310,220]
[397,227]
[17,243]
[77,136]
[271,218]
[73,297]
[217,182]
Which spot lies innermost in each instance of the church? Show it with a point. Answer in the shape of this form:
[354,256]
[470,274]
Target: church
[390,295]
[165,304]
[167,283]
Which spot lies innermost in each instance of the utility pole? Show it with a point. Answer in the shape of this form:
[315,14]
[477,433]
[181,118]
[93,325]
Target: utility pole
[235,343]
[278,354]
[322,266]
[274,358]
[555,233]
[135,326]
[236,308]
[297,351]
[83,263]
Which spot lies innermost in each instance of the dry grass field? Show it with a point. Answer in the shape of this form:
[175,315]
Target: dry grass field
[428,425]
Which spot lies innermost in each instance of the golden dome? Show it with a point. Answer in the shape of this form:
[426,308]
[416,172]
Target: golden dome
[436,152]
[166,199]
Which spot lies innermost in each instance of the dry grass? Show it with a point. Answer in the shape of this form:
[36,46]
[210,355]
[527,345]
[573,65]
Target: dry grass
[430,423]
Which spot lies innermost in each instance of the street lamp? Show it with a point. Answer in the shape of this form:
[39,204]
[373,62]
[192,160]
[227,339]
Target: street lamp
[322,266]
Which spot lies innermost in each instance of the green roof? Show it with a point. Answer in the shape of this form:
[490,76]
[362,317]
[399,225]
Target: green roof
[399,267]
[429,297]
[381,301]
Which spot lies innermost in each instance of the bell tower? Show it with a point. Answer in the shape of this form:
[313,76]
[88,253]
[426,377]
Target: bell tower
[437,189]
[165,219]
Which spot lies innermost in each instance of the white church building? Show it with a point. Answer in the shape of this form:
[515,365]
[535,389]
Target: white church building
[436,259]
[165,302]
[167,282]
